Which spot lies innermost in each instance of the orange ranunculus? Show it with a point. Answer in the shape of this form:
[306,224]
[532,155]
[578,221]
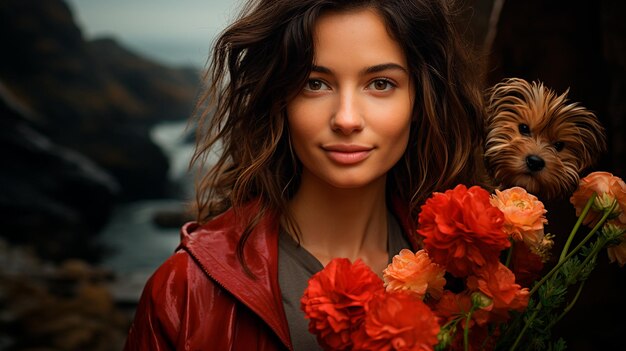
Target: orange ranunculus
[462,230]
[397,321]
[335,301]
[498,283]
[414,272]
[524,215]
[608,188]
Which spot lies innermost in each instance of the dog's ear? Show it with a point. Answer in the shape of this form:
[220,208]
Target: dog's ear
[592,133]
[578,128]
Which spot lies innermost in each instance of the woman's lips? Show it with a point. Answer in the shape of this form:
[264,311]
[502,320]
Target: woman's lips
[347,154]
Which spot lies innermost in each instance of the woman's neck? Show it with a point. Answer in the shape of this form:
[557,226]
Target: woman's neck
[350,223]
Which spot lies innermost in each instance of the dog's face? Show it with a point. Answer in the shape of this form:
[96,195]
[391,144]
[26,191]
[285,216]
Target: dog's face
[535,139]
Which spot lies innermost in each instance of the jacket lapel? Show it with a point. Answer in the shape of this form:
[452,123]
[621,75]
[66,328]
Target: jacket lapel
[214,247]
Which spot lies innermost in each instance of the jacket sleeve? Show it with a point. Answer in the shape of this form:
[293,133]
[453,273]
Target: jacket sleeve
[181,308]
[157,321]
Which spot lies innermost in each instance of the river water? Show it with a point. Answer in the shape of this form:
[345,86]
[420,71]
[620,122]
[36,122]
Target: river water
[137,245]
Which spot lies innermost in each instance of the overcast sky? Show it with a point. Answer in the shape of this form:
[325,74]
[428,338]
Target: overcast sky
[177,32]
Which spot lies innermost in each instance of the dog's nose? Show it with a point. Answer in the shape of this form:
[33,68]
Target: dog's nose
[535,163]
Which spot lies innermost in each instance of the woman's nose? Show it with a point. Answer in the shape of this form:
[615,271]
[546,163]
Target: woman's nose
[347,117]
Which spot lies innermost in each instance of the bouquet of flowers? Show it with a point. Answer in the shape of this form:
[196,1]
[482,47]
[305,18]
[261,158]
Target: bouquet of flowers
[476,283]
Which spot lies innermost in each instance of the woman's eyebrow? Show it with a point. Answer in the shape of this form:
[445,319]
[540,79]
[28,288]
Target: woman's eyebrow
[384,67]
[321,69]
[369,70]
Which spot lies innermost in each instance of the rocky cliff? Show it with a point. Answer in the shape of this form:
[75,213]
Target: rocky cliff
[75,117]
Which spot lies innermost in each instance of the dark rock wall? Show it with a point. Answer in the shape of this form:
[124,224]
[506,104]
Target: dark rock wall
[580,45]
[569,44]
[52,198]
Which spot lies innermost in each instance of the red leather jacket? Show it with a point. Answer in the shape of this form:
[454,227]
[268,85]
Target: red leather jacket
[202,299]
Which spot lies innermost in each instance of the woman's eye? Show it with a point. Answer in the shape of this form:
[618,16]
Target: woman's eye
[381,85]
[315,85]
[524,129]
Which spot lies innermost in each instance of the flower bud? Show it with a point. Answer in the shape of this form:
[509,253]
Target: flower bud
[608,188]
[613,231]
[604,202]
[543,249]
[481,300]
[444,339]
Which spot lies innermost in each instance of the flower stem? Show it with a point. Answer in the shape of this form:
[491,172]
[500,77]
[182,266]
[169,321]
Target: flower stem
[447,329]
[569,306]
[466,329]
[575,250]
[576,226]
[511,326]
[592,256]
[509,254]
[528,323]
[489,336]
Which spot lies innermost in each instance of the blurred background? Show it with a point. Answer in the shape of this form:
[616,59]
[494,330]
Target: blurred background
[94,144]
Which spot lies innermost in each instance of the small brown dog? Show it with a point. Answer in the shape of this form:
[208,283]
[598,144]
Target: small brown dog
[538,140]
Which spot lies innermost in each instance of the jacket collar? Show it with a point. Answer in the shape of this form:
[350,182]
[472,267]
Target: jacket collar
[214,246]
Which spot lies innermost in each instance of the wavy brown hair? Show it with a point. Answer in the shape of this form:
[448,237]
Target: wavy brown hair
[263,60]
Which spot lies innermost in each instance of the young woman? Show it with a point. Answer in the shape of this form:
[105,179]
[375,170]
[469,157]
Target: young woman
[333,120]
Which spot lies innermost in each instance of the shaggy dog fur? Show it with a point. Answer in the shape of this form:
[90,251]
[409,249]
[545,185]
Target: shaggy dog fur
[538,140]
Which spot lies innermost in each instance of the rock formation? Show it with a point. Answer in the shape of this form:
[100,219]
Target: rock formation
[75,117]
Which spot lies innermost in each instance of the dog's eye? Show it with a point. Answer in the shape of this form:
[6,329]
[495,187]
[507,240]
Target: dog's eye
[559,145]
[524,129]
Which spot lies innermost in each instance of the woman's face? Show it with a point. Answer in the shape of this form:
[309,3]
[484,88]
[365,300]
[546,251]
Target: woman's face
[350,123]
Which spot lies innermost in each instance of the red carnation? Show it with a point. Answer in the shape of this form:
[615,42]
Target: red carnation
[335,301]
[462,230]
[397,321]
